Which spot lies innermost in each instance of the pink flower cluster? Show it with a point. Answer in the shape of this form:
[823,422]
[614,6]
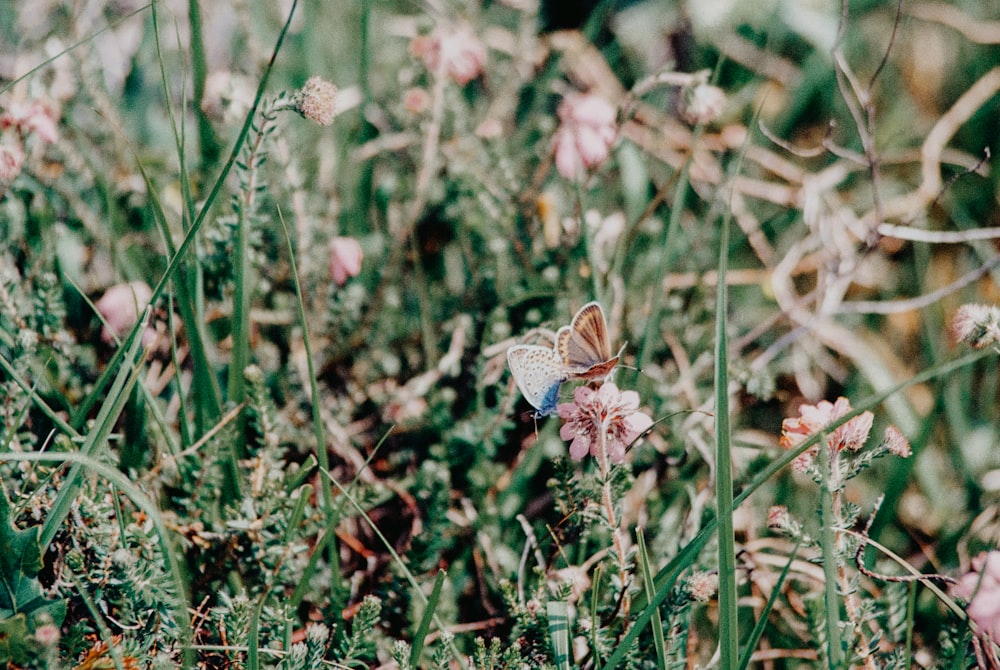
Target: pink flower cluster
[608,410]
[849,436]
[586,133]
[23,120]
[31,118]
[317,101]
[453,47]
[981,588]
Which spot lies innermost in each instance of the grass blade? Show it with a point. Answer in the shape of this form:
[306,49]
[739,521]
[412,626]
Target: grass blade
[425,620]
[558,612]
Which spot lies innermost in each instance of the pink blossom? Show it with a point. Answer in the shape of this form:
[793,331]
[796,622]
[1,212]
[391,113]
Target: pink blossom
[981,588]
[976,325]
[609,409]
[345,259]
[454,47]
[416,100]
[317,101]
[120,306]
[896,442]
[814,418]
[11,161]
[704,103]
[31,117]
[586,133]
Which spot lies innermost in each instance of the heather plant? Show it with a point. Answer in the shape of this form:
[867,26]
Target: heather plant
[291,375]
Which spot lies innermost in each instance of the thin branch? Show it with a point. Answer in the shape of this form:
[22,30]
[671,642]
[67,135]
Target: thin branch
[897,306]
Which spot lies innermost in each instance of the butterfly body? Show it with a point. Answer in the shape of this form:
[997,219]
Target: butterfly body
[538,372]
[584,346]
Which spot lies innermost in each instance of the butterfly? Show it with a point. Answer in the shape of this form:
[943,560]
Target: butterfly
[583,346]
[538,371]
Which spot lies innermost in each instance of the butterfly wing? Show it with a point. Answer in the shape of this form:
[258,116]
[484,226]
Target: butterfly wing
[584,347]
[538,372]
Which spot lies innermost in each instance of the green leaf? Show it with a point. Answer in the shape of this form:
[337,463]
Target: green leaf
[23,605]
[14,640]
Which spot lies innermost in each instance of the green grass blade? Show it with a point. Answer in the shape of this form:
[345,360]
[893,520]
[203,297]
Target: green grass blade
[758,630]
[558,612]
[656,622]
[425,620]
[397,558]
[729,633]
[97,437]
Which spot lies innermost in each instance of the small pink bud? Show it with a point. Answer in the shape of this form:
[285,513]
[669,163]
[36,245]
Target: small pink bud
[896,442]
[120,306]
[345,259]
[454,47]
[586,133]
[704,103]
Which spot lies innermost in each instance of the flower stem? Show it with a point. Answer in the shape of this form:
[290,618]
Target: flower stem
[609,509]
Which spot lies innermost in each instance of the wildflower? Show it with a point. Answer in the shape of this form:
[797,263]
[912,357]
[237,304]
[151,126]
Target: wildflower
[976,325]
[120,306]
[32,117]
[704,103]
[317,101]
[454,47]
[607,409]
[345,259]
[814,418]
[896,442]
[11,160]
[586,132]
[777,517]
[416,100]
[981,588]
[489,129]
[702,586]
[47,635]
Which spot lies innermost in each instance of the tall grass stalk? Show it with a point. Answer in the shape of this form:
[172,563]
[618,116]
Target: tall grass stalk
[319,434]
[729,637]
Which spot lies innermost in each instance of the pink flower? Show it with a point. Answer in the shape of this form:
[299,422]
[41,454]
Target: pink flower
[609,409]
[814,418]
[454,47]
[416,100]
[704,103]
[317,101]
[586,133]
[976,325]
[981,588]
[345,259]
[777,517]
[31,117]
[120,306]
[896,442]
[11,160]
